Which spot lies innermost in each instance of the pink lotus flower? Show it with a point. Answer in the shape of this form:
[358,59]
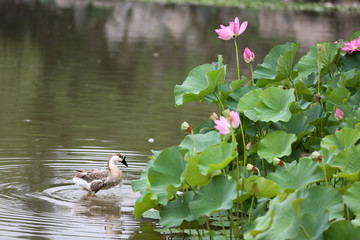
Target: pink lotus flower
[249,56]
[352,46]
[232,31]
[223,125]
[339,115]
[235,119]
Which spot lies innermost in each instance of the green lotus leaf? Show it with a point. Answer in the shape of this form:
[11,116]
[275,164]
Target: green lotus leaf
[302,89]
[200,82]
[260,187]
[348,161]
[279,222]
[307,211]
[216,157]
[298,176]
[218,195]
[247,104]
[349,79]
[351,198]
[315,114]
[165,173]
[351,61]
[309,63]
[143,204]
[277,64]
[233,99]
[322,199]
[341,230]
[192,175]
[298,125]
[274,104]
[202,141]
[355,176]
[276,144]
[142,184]
[175,212]
[337,97]
[336,142]
[285,62]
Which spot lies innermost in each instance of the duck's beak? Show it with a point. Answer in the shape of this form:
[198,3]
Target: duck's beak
[124,162]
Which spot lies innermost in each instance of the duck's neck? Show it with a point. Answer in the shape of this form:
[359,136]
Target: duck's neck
[114,170]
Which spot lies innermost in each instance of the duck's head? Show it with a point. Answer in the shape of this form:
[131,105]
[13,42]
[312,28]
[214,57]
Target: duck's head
[117,157]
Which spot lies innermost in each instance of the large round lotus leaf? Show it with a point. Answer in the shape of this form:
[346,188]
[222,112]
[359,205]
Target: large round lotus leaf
[276,144]
[175,212]
[277,64]
[309,63]
[260,187]
[202,141]
[323,199]
[348,161]
[274,104]
[337,97]
[247,104]
[352,198]
[233,99]
[298,176]
[165,173]
[351,61]
[142,184]
[192,175]
[298,125]
[218,195]
[200,82]
[289,218]
[279,222]
[216,157]
[342,230]
[144,203]
[336,141]
[315,114]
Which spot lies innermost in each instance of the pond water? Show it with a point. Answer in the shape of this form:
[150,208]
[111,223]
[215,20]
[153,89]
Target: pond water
[80,80]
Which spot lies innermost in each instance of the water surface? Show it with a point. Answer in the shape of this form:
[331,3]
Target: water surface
[80,81]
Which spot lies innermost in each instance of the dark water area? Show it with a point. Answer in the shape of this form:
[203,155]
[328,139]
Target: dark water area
[80,80]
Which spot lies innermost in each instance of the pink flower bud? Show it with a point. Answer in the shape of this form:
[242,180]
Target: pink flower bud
[249,56]
[235,119]
[339,115]
[213,116]
[248,146]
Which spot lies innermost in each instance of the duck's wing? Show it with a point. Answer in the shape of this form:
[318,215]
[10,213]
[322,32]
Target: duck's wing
[92,175]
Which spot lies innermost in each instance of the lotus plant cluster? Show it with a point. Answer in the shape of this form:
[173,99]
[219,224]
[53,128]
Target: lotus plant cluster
[279,160]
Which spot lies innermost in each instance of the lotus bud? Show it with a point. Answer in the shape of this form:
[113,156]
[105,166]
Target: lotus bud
[278,161]
[186,127]
[315,155]
[226,113]
[248,146]
[213,116]
[249,167]
[339,115]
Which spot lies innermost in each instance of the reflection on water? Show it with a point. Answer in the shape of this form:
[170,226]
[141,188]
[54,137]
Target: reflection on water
[80,80]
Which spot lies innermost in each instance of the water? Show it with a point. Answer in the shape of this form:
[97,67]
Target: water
[81,81]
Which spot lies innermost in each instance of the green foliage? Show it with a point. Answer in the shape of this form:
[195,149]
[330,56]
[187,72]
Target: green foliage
[300,179]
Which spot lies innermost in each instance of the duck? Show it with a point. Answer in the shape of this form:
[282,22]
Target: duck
[98,179]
